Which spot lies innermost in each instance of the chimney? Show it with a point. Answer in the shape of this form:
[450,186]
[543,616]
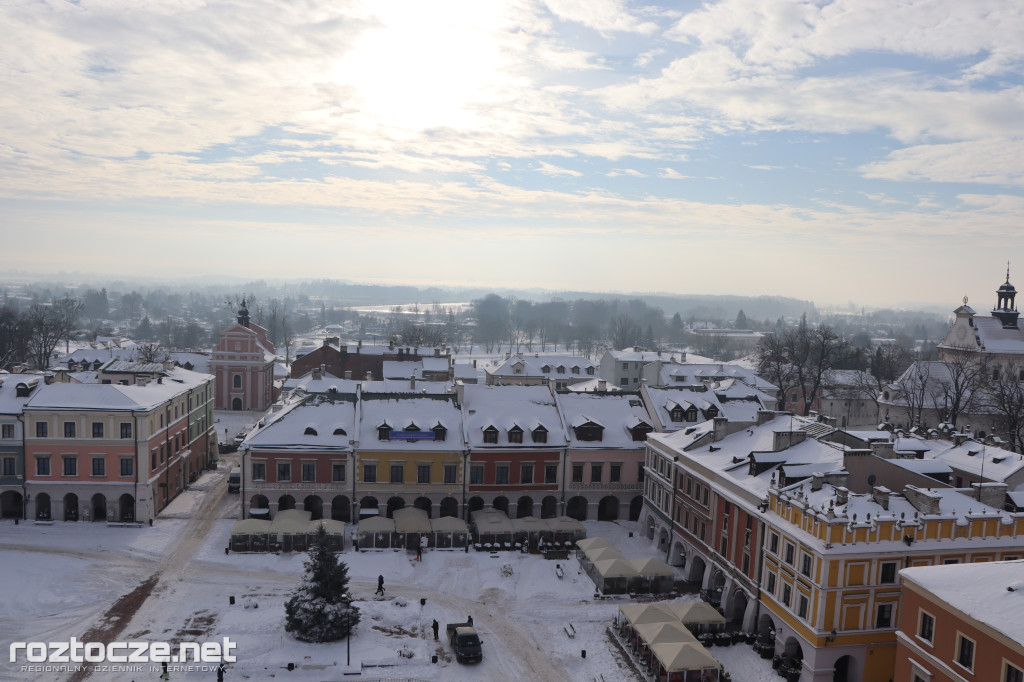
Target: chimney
[369,375]
[401,352]
[991,494]
[842,496]
[880,494]
[416,351]
[816,480]
[787,439]
[359,346]
[412,381]
[318,373]
[437,352]
[602,385]
[719,424]
[923,499]
[764,416]
[960,438]
[348,374]
[883,449]
[474,364]
[391,344]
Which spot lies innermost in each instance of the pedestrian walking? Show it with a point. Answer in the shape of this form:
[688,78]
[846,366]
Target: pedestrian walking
[419,553]
[469,620]
[380,585]
[435,626]
[220,671]
[164,675]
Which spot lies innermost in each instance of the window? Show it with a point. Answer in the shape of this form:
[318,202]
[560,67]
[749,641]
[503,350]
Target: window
[705,496]
[515,435]
[8,431]
[476,474]
[398,473]
[42,466]
[551,473]
[259,471]
[423,473]
[965,651]
[284,471]
[440,432]
[384,432]
[310,431]
[501,474]
[337,473]
[926,626]
[596,472]
[369,473]
[888,572]
[236,381]
[806,567]
[308,472]
[127,468]
[790,550]
[152,459]
[97,429]
[624,381]
[42,429]
[950,562]
[577,473]
[126,429]
[1012,673]
[615,473]
[787,594]
[70,466]
[540,435]
[490,435]
[526,473]
[801,609]
[883,617]
[450,473]
[69,429]
[99,466]
[676,414]
[639,472]
[10,466]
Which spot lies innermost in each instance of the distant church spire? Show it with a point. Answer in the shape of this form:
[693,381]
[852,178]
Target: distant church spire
[1006,310]
[243,315]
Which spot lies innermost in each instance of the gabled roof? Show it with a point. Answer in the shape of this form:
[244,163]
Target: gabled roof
[401,411]
[506,406]
[617,413]
[287,430]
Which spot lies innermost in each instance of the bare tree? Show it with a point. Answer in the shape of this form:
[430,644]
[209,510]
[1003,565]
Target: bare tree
[47,329]
[152,352]
[15,336]
[915,390]
[68,311]
[774,364]
[1004,398]
[965,372]
[800,358]
[624,331]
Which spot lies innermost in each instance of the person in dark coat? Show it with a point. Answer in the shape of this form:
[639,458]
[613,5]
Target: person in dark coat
[380,585]
[220,672]
[435,626]
[469,620]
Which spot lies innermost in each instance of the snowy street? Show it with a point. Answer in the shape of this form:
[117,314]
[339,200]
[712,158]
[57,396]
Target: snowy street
[64,577]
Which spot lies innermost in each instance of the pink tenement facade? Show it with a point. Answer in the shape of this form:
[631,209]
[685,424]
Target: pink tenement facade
[243,364]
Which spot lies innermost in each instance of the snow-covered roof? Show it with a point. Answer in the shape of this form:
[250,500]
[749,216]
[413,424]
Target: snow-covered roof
[664,400]
[420,413]
[995,339]
[991,593]
[546,366]
[633,355]
[10,403]
[59,396]
[316,424]
[698,373]
[973,457]
[616,413]
[505,407]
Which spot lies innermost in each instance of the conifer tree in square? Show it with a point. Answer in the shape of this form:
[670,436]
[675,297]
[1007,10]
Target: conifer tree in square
[320,609]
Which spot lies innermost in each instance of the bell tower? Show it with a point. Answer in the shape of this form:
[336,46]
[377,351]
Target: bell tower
[1005,310]
[243,315]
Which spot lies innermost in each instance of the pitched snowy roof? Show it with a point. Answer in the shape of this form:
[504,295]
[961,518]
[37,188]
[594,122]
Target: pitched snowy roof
[995,339]
[616,413]
[294,428]
[542,366]
[60,396]
[991,593]
[10,403]
[505,407]
[401,413]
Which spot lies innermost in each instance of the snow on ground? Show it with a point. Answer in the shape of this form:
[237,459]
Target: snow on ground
[519,605]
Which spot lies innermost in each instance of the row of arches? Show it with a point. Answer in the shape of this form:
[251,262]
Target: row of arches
[341,507]
[12,506]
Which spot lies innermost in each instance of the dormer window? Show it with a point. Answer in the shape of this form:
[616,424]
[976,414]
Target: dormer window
[412,427]
[711,412]
[589,432]
[691,414]
[576,369]
[517,368]
[590,371]
[383,432]
[515,435]
[676,414]
[340,432]
[546,369]
[490,435]
[440,432]
[540,435]
[310,431]
[640,431]
[561,369]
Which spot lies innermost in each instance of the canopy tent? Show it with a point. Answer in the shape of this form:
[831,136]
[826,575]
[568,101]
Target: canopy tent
[565,529]
[611,576]
[663,633]
[655,575]
[696,613]
[411,520]
[492,528]
[640,614]
[291,522]
[587,543]
[449,531]
[251,527]
[673,658]
[602,554]
[250,535]
[376,532]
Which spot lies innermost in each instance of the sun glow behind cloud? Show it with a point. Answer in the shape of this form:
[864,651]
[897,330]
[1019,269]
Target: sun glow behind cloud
[743,128]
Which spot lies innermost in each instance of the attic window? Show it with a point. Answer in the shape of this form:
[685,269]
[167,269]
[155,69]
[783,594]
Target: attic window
[310,431]
[490,435]
[515,435]
[712,412]
[589,432]
[412,427]
[576,369]
[676,414]
[997,460]
[439,432]
[384,432]
[640,431]
[633,402]
[691,414]
[540,435]
[590,371]
[340,432]
[561,369]
[546,369]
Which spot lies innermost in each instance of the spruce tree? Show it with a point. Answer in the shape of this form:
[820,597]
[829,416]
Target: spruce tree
[320,609]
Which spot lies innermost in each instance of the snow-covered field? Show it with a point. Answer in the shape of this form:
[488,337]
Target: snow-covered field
[60,579]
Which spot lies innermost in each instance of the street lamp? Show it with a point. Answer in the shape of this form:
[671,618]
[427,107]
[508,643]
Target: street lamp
[244,453]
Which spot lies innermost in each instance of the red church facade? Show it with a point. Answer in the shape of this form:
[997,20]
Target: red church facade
[243,364]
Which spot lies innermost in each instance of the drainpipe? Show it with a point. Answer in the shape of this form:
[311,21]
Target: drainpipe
[672,509]
[135,486]
[465,476]
[565,465]
[24,471]
[242,476]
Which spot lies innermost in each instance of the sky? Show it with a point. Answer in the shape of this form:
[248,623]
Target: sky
[863,151]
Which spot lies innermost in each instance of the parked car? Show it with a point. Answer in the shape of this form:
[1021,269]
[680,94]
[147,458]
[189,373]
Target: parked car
[235,480]
[465,641]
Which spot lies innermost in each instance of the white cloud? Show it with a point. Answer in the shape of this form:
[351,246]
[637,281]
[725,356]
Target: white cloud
[672,174]
[600,15]
[991,161]
[549,169]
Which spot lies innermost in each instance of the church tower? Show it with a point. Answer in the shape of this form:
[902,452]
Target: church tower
[1005,310]
[243,314]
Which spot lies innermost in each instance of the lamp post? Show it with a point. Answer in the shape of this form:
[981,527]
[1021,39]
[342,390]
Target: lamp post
[244,453]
